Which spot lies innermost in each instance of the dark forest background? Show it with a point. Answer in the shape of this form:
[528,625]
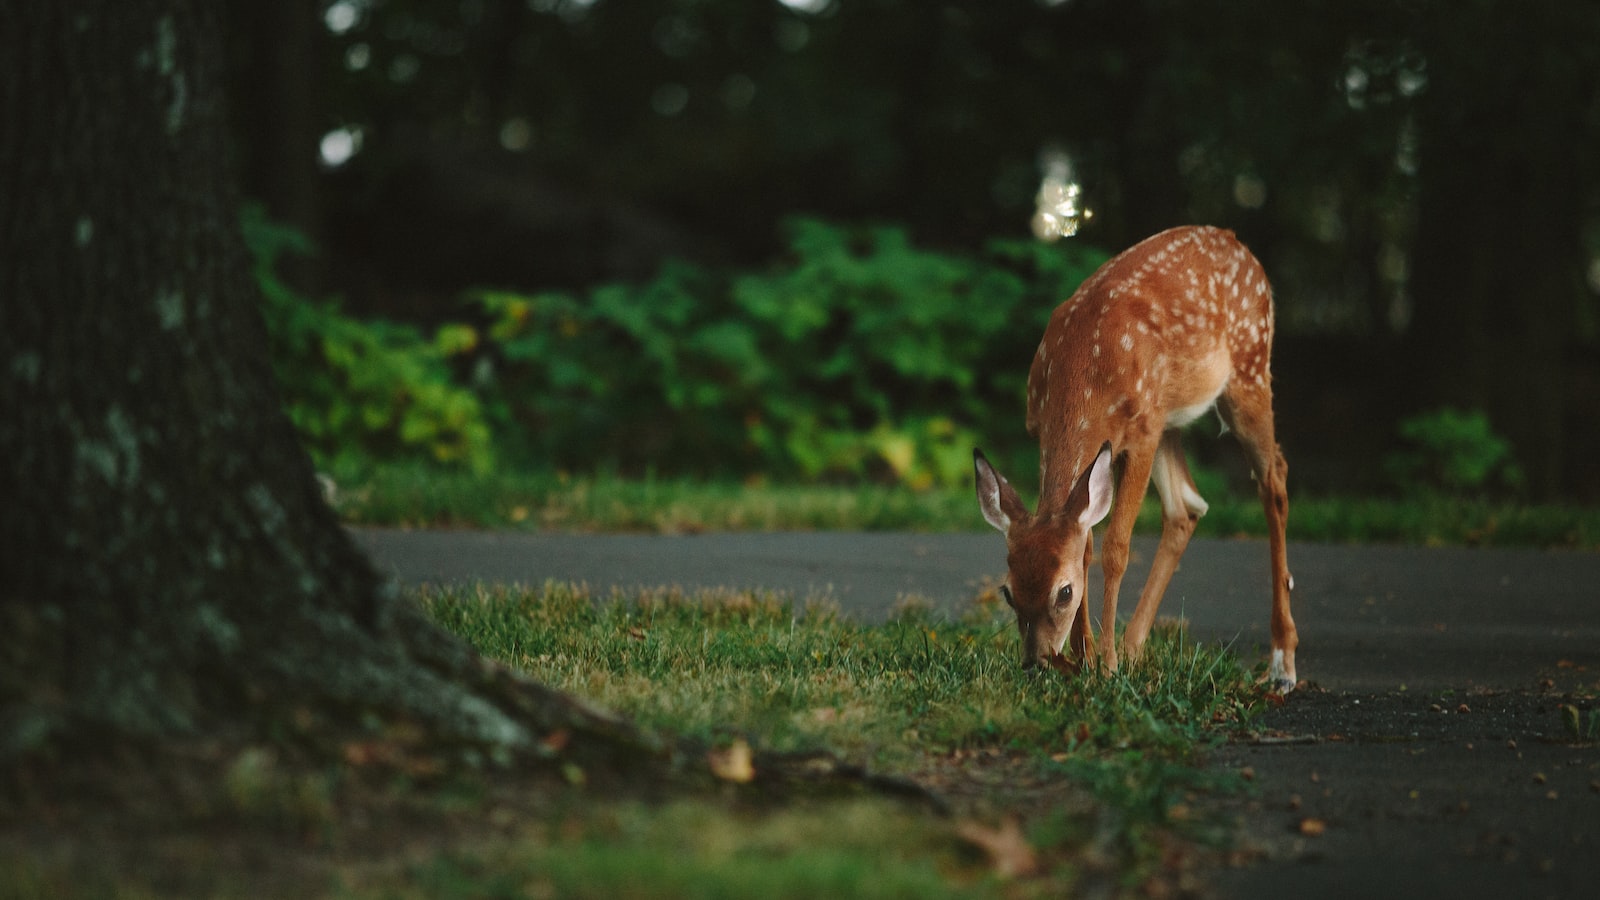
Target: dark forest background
[1419,178]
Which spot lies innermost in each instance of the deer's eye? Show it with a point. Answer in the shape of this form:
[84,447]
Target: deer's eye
[1064,596]
[1005,592]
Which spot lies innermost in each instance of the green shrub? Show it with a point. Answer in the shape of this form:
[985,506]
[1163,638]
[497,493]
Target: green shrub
[859,355]
[363,391]
[1452,451]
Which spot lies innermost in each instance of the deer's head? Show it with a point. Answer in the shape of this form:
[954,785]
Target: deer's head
[1045,555]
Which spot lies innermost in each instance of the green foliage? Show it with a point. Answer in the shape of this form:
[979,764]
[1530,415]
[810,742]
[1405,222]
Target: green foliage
[1452,451]
[857,357]
[363,391]
[860,356]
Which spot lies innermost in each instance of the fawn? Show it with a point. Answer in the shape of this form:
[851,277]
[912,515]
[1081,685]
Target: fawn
[1168,329]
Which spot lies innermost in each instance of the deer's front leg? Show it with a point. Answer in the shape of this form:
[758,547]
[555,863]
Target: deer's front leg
[1131,482]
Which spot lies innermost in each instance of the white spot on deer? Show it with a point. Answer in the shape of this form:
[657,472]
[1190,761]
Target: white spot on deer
[1083,424]
[1095,351]
[1127,341]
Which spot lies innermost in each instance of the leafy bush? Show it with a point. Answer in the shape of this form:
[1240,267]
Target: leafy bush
[363,391]
[858,356]
[1452,451]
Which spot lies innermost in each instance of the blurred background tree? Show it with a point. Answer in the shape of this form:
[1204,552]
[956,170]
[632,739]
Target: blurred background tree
[1419,179]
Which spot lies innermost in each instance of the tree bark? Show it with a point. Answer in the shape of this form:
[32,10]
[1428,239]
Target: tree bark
[170,566]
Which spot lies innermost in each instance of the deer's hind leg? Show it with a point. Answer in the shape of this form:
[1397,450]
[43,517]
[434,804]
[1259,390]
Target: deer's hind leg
[1247,409]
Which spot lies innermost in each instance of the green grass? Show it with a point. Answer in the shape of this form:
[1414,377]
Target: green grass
[692,849]
[706,663]
[1102,771]
[423,497]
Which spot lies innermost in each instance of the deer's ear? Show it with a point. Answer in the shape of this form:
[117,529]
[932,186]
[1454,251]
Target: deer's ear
[1091,496]
[996,497]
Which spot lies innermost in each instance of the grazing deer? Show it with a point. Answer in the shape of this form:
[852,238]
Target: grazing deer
[1171,327]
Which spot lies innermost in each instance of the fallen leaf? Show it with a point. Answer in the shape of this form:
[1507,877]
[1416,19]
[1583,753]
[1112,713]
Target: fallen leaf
[732,763]
[1313,827]
[556,741]
[1007,849]
[360,753]
[1569,715]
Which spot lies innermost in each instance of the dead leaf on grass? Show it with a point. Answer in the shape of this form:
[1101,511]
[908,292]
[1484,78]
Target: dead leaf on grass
[732,763]
[556,741]
[1311,827]
[1008,850]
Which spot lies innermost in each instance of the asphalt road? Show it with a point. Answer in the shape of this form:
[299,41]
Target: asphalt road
[1426,755]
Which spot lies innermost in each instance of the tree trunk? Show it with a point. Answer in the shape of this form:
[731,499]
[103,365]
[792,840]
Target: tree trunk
[170,567]
[1499,260]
